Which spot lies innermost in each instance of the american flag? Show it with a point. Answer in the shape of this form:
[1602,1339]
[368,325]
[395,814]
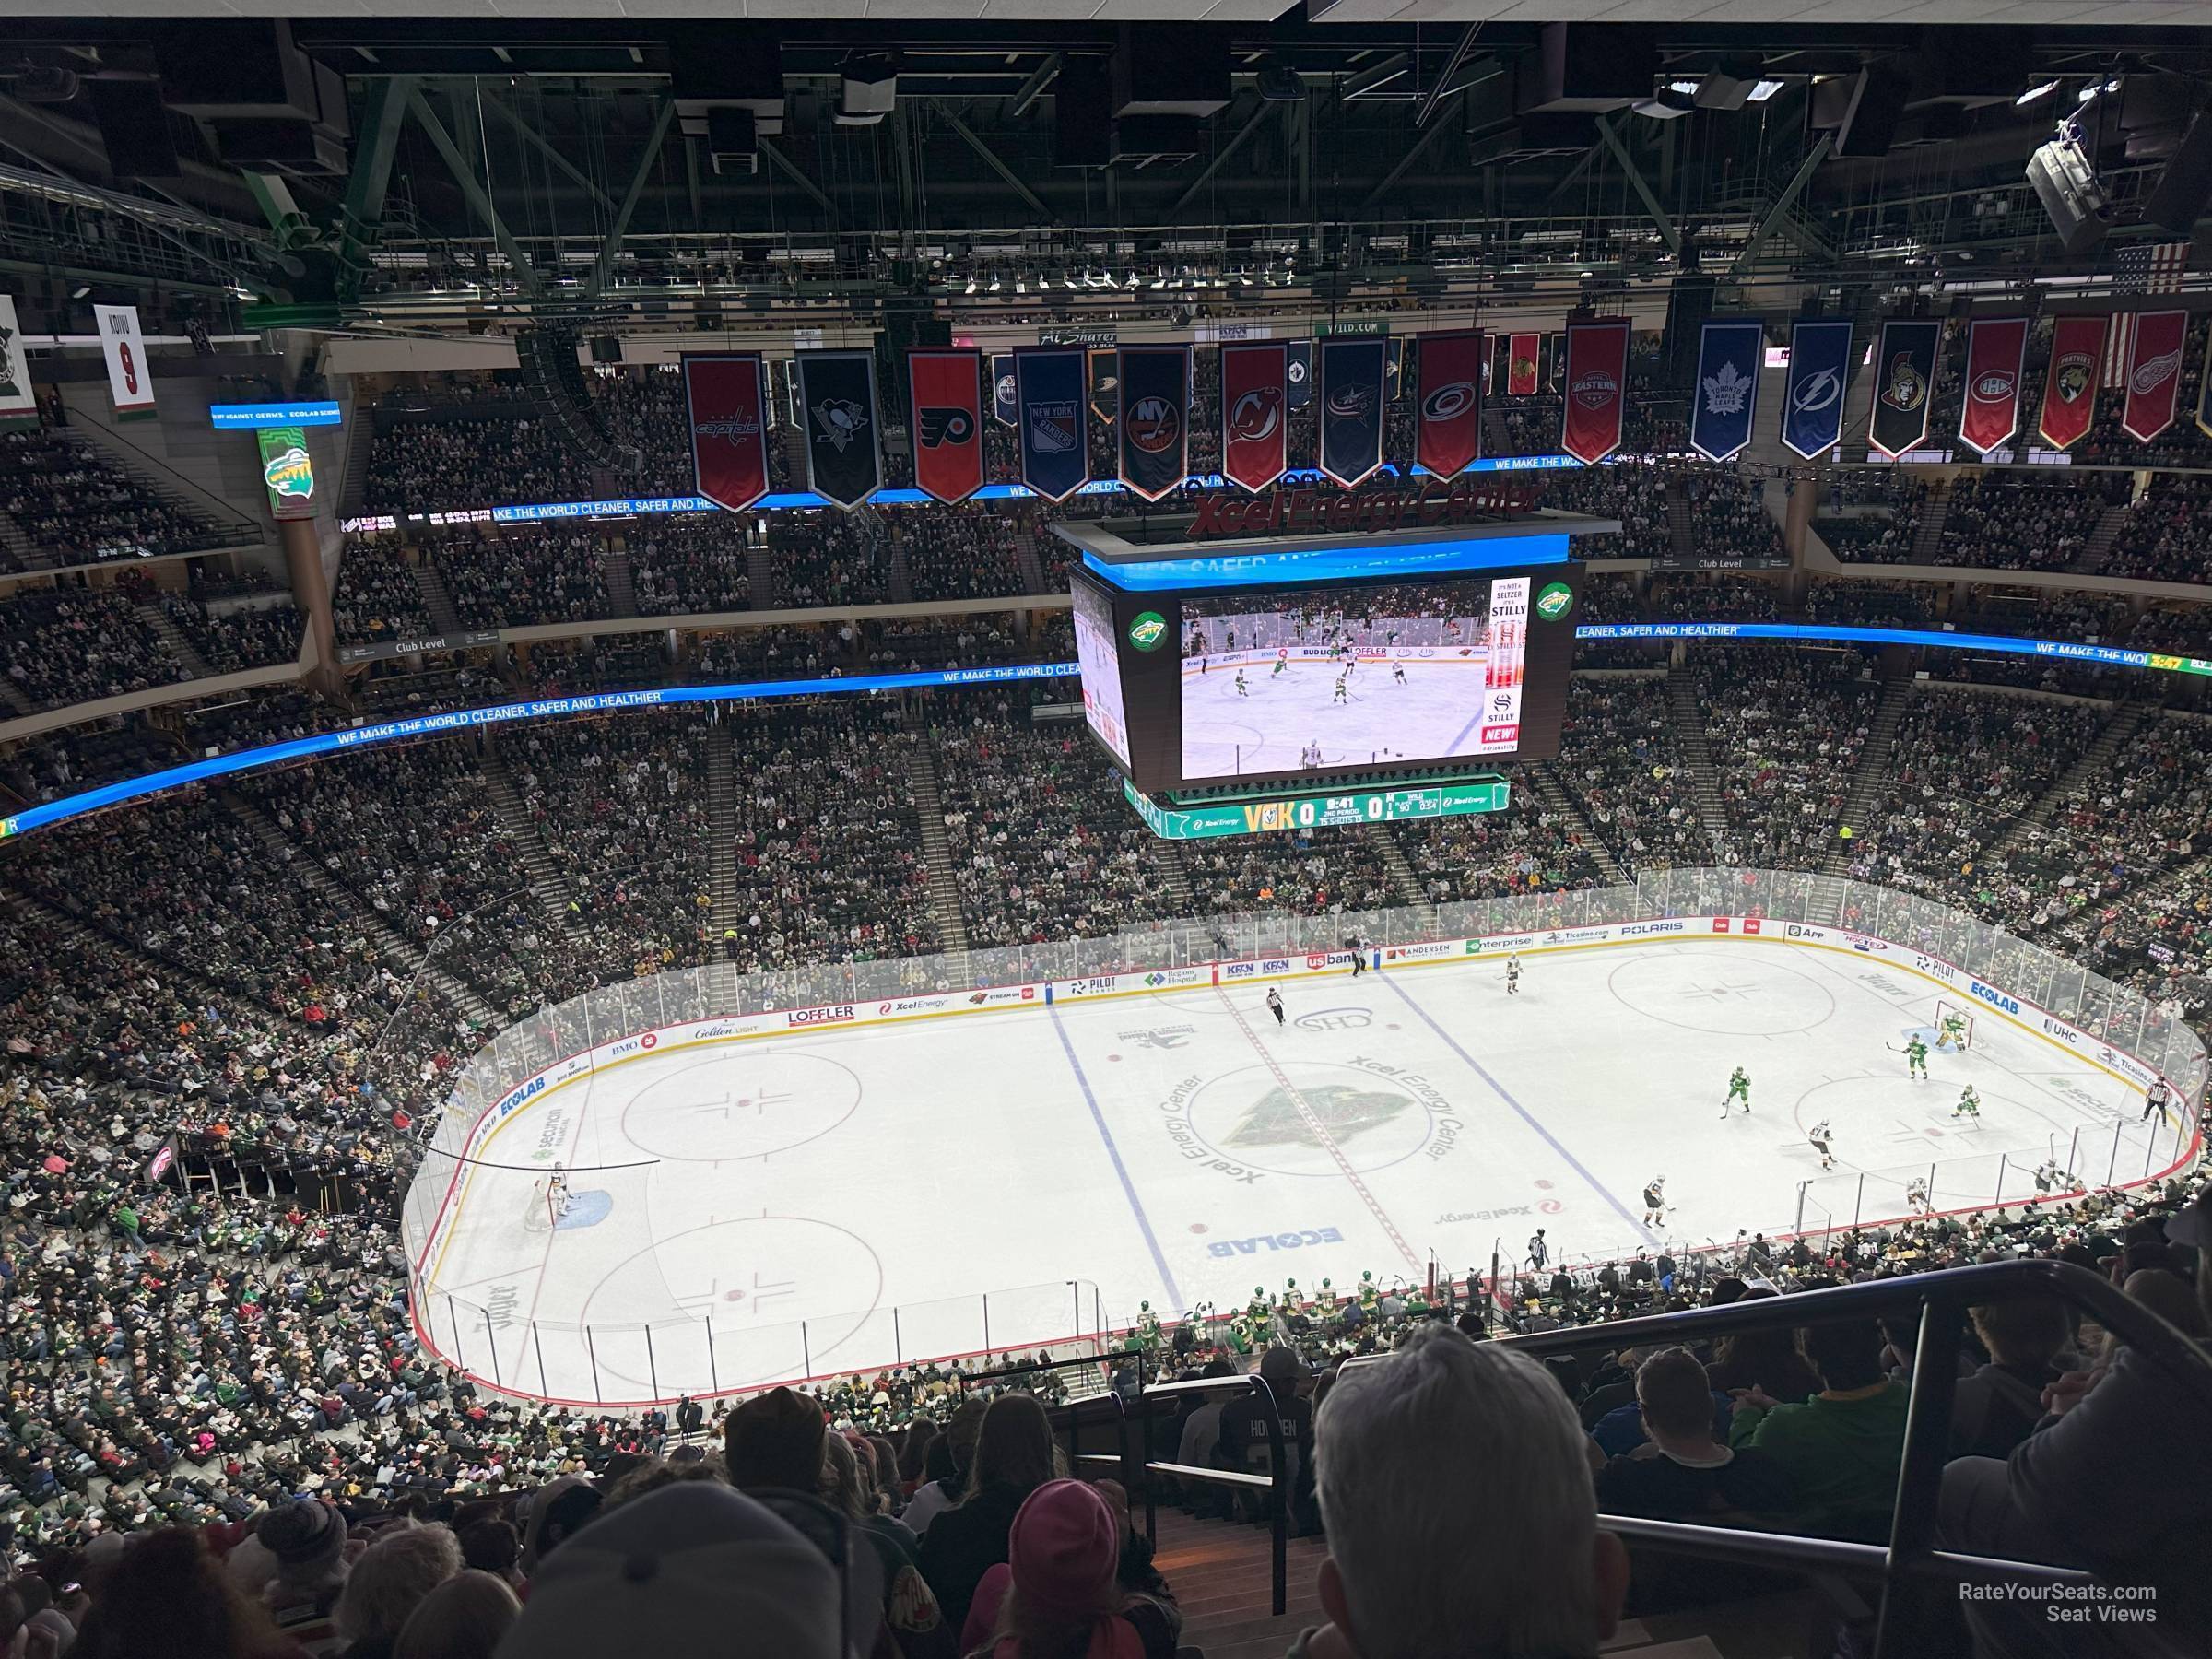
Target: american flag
[2145,268]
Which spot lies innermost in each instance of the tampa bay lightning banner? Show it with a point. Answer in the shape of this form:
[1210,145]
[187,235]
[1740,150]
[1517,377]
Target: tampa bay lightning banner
[1351,374]
[1727,394]
[1051,395]
[1812,400]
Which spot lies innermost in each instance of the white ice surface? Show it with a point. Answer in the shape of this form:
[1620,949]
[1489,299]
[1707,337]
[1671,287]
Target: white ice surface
[1436,712]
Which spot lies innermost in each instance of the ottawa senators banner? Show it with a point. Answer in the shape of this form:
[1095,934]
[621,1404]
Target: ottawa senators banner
[2070,384]
[1450,430]
[1904,377]
[1254,412]
[1597,378]
[1994,348]
[1155,427]
[1521,370]
[727,405]
[945,390]
[2154,374]
[1351,409]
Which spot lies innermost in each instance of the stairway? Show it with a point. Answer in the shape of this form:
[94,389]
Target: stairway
[1697,755]
[936,851]
[722,832]
[2097,546]
[2125,722]
[361,440]
[1544,783]
[1405,880]
[13,700]
[1030,565]
[435,600]
[60,927]
[899,583]
[1927,538]
[1678,518]
[1874,768]
[763,583]
[196,666]
[614,570]
[1176,878]
[547,882]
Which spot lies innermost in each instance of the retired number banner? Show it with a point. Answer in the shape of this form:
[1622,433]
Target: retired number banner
[1254,412]
[2070,384]
[130,376]
[1994,349]
[1050,390]
[1450,433]
[945,390]
[1352,409]
[1904,367]
[2154,374]
[1155,424]
[727,408]
[1597,374]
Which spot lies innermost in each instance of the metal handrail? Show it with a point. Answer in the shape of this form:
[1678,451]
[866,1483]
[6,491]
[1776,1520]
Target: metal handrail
[1278,1495]
[1073,1409]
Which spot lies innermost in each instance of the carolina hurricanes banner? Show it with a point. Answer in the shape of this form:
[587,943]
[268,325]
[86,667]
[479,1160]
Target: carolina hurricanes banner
[1812,398]
[727,404]
[1521,371]
[1904,376]
[945,392]
[1725,399]
[1049,390]
[1994,348]
[2070,384]
[2154,374]
[1299,376]
[1002,389]
[1254,412]
[1155,424]
[1450,430]
[1597,376]
[837,398]
[1351,409]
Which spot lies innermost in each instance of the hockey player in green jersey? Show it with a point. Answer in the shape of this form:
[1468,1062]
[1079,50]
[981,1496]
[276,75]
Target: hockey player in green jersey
[1739,1088]
[1916,1059]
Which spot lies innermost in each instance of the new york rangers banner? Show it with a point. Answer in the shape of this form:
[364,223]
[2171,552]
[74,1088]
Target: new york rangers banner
[1155,424]
[1002,389]
[1726,395]
[1521,368]
[837,398]
[727,401]
[1450,431]
[944,390]
[1299,376]
[1049,390]
[1994,348]
[1904,376]
[2154,374]
[1254,412]
[1351,409]
[1597,375]
[2070,384]
[1812,398]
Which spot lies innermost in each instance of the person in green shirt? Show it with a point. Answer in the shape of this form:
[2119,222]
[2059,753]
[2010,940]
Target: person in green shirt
[1839,1450]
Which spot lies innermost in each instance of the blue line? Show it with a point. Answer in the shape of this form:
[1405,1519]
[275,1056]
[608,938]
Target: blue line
[1136,1207]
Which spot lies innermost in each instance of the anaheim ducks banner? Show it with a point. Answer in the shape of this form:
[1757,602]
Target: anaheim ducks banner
[945,392]
[1995,348]
[1351,409]
[1255,398]
[1449,434]
[726,402]
[1812,398]
[1521,370]
[1049,391]
[2070,384]
[2154,374]
[1155,423]
[1725,399]
[837,399]
[1598,374]
[1904,370]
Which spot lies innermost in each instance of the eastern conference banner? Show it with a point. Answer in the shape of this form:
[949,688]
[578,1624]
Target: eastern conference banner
[130,376]
[18,404]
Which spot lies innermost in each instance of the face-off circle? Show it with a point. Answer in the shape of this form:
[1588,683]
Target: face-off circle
[723,1107]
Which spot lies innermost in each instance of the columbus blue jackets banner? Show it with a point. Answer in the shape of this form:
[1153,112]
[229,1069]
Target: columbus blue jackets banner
[1449,434]
[1302,373]
[1904,382]
[1351,409]
[1812,399]
[1727,394]
[727,403]
[1051,395]
[1155,423]
[837,398]
[1002,389]
[946,386]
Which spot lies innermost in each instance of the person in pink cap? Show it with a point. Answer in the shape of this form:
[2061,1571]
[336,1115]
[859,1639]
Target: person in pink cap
[1058,1581]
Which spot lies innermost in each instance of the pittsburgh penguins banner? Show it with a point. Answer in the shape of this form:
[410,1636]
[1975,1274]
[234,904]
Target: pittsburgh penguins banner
[1299,376]
[727,400]
[1351,409]
[1155,424]
[1597,378]
[946,390]
[1002,389]
[1050,392]
[1450,431]
[1812,398]
[1521,368]
[1994,349]
[1904,372]
[1726,395]
[1105,383]
[1254,412]
[2070,384]
[2154,373]
[837,396]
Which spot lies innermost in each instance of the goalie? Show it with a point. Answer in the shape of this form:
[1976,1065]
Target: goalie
[1950,1032]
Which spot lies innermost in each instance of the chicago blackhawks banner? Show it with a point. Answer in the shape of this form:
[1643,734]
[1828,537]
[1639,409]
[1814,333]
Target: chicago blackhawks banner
[2154,374]
[1300,374]
[727,405]
[1812,398]
[1055,433]
[837,396]
[945,392]
[130,376]
[1352,409]
[1904,367]
[1597,377]
[1521,370]
[1450,430]
[1255,410]
[1002,389]
[2070,384]
[1994,348]
[1726,395]
[1155,424]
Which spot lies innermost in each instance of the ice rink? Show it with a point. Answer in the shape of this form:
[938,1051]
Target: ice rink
[1267,727]
[802,1205]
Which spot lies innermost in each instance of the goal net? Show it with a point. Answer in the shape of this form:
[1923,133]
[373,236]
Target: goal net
[1949,1013]
[546,1201]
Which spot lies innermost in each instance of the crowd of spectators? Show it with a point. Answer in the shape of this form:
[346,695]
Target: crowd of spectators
[241,636]
[1619,760]
[1784,727]
[377,598]
[522,577]
[72,646]
[1729,518]
[698,565]
[2025,526]
[75,506]
[2166,535]
[960,553]
[480,461]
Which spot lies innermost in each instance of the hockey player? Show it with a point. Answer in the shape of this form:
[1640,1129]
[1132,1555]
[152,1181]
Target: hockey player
[1818,1135]
[2053,1177]
[1917,1058]
[2155,1102]
[1147,1329]
[1282,666]
[1953,1031]
[1654,1201]
[1969,1104]
[1397,672]
[1916,1197]
[1340,696]
[1513,975]
[1368,1295]
[1242,690]
[1739,1088]
[1275,1004]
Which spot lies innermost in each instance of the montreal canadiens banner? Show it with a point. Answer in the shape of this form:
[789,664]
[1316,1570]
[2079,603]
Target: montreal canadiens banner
[1995,348]
[1522,374]
[1254,412]
[1050,394]
[1450,433]
[1002,389]
[945,390]
[1812,398]
[2154,374]
[727,405]
[1155,423]
[1351,409]
[1726,395]
[1597,376]
[2070,384]
[837,401]
[1904,372]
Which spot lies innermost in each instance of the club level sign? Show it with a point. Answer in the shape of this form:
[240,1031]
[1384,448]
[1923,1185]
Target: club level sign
[1296,511]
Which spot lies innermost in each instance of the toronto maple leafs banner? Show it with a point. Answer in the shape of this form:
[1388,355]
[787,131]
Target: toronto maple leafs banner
[1051,393]
[1351,409]
[725,399]
[1155,423]
[1254,412]
[1904,381]
[1729,355]
[2070,384]
[1301,373]
[1597,371]
[1450,431]
[1812,398]
[1995,348]
[1002,389]
[837,399]
[945,388]
[2154,373]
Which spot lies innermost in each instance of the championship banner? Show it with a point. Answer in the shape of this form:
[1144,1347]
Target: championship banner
[2154,373]
[1155,424]
[1255,413]
[1105,383]
[1994,349]
[1055,433]
[1726,400]
[2070,384]
[1298,375]
[727,402]
[1449,433]
[1002,389]
[837,391]
[1522,374]
[1352,409]
[18,404]
[1597,378]
[944,396]
[130,376]
[287,471]
[1812,398]
[1904,369]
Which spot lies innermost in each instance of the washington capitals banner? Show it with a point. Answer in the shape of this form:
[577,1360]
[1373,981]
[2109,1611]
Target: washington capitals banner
[1522,372]
[2154,374]
[1352,409]
[944,390]
[1904,378]
[1994,349]
[1002,389]
[2070,384]
[1155,424]
[1254,412]
[1050,392]
[1300,374]
[1726,396]
[1597,378]
[1450,430]
[1812,398]
[727,406]
[837,398]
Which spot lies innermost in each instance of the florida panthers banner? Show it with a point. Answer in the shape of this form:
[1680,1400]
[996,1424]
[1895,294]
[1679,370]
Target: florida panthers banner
[944,390]
[727,401]
[1522,374]
[2070,384]
[1050,392]
[1450,430]
[1352,409]
[836,403]
[1002,389]
[1254,412]
[1300,374]
[1994,348]
[1597,377]
[1155,423]
[1812,398]
[2154,374]
[1904,377]
[1726,395]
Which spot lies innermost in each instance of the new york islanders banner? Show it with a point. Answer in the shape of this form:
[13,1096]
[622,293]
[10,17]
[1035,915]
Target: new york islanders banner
[837,401]
[1254,412]
[1050,392]
[1450,431]
[1300,375]
[2154,374]
[727,403]
[2070,384]
[1904,371]
[1995,348]
[1522,375]
[1155,423]
[1726,395]
[945,392]
[1812,398]
[1351,409]
[1002,389]
[1597,378]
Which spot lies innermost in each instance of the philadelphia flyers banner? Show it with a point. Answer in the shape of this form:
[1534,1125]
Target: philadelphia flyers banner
[1521,370]
[945,388]
[727,408]
[1256,397]
[1597,378]
[1155,427]
[1450,431]
[2154,374]
[1994,348]
[2070,384]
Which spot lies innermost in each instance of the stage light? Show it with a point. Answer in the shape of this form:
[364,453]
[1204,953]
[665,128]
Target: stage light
[1764,90]
[2033,93]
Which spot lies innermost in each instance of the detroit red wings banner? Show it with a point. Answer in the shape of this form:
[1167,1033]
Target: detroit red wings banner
[1254,402]
[1450,431]
[2070,384]
[944,396]
[1994,348]
[1597,378]
[2154,374]
[1521,370]
[728,408]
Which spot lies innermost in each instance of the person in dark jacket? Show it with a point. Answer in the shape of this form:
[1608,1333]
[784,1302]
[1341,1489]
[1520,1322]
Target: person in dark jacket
[1013,1458]
[1244,1431]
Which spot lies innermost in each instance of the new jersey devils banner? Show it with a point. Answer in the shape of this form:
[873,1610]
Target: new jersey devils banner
[1904,371]
[2154,374]
[1002,389]
[1450,431]
[1254,412]
[1299,376]
[945,392]
[1726,395]
[837,400]
[1994,348]
[1812,398]
[727,401]
[1597,378]
[1351,409]
[1155,424]
[1050,392]
[2070,384]
[1522,376]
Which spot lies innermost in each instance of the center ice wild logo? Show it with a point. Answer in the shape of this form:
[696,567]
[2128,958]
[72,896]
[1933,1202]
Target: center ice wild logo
[1275,1120]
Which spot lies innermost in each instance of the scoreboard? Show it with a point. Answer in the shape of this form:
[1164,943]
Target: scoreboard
[1317,812]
